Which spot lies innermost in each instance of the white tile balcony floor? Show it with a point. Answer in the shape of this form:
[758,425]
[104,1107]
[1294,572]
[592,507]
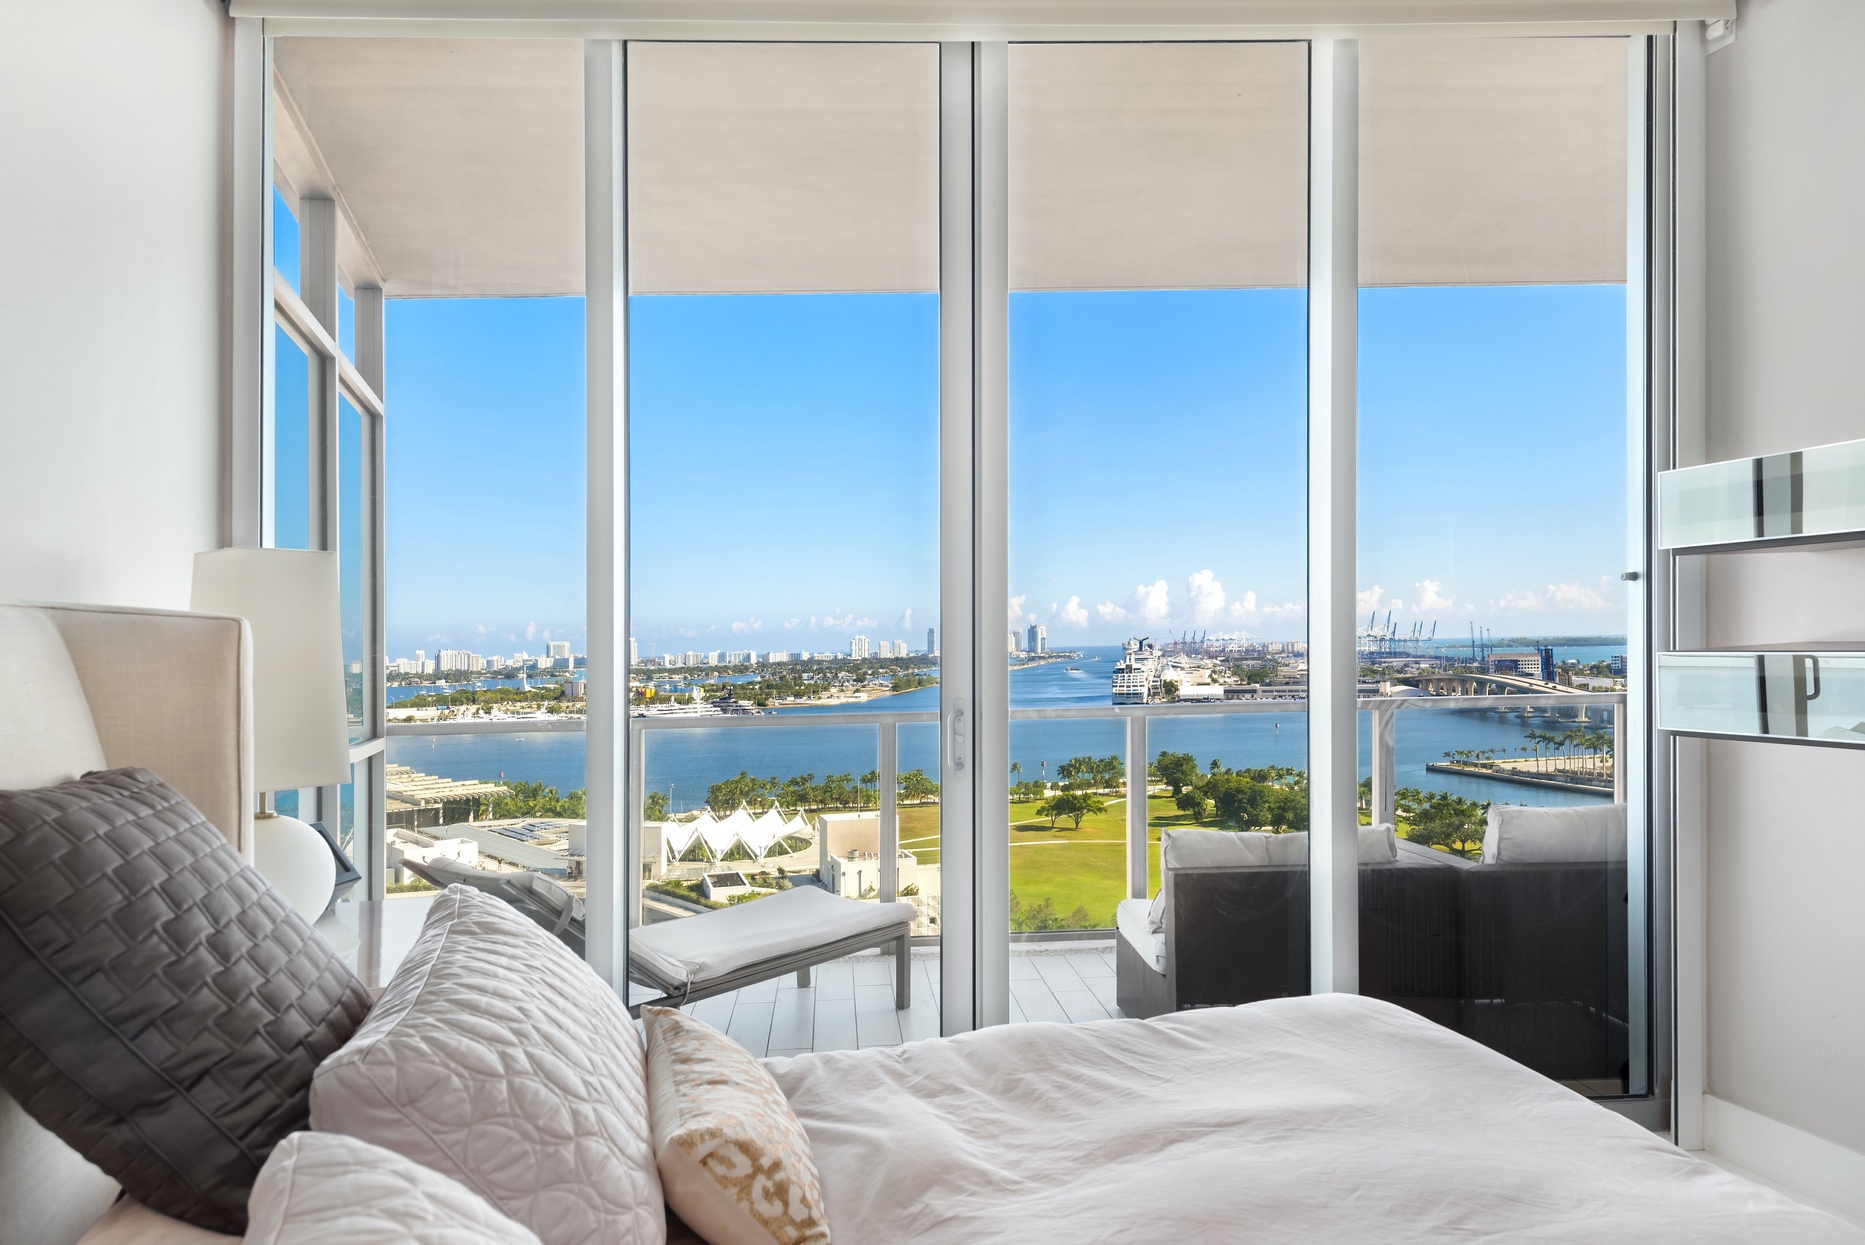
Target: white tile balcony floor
[849,1004]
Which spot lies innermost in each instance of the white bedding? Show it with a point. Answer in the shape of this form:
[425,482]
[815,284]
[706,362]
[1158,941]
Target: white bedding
[1318,1120]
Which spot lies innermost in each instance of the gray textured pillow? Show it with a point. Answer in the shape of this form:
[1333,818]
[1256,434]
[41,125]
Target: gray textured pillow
[161,1007]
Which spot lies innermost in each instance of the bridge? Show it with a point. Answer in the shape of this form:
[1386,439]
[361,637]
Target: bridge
[1472,683]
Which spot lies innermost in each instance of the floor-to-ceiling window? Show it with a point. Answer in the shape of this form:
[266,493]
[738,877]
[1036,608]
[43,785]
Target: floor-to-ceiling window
[1493,477]
[1157,623]
[783,420]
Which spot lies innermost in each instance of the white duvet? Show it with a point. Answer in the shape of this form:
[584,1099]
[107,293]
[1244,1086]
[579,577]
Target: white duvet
[1318,1120]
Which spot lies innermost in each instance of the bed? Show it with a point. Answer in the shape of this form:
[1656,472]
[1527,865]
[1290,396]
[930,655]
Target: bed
[1316,1120]
[1335,1118]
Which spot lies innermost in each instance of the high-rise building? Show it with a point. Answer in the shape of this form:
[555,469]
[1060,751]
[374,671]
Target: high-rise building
[1037,638]
[858,647]
[559,648]
[634,653]
[1015,645]
[931,648]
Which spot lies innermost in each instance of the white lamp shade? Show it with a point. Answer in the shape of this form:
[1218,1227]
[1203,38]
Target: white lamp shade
[290,599]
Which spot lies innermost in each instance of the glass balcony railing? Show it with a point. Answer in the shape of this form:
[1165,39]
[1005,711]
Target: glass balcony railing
[1813,496]
[1812,695]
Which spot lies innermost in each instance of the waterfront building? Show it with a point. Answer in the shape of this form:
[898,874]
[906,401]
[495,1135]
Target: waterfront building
[774,656]
[559,648]
[1037,639]
[858,647]
[1016,643]
[634,652]
[931,647]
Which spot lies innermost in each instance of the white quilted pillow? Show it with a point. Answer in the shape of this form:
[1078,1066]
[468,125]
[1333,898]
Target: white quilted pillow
[498,1058]
[320,1188]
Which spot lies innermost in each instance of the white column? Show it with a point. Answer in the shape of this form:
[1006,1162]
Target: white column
[610,867]
[1333,664]
[250,267]
[371,362]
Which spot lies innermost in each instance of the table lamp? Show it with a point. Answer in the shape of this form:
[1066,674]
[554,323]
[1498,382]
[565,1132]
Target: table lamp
[289,598]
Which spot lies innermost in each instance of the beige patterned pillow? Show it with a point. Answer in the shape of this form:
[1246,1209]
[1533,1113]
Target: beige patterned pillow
[734,1161]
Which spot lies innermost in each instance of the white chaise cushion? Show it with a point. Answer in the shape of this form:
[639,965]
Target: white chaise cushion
[325,1188]
[49,737]
[713,944]
[499,1059]
[1517,835]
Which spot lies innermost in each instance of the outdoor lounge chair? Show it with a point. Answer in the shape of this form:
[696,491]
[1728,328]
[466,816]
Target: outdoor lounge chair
[713,952]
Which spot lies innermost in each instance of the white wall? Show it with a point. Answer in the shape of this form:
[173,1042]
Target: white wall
[1786,825]
[112,279]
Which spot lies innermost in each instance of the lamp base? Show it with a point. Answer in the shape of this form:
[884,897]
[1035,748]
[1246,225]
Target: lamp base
[296,860]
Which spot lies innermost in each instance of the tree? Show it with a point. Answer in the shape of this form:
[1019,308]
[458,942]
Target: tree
[654,806]
[1074,805]
[1193,801]
[1286,809]
[1028,792]
[1237,800]
[1177,770]
[914,786]
[1440,819]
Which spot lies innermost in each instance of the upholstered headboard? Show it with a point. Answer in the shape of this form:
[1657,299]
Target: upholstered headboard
[166,691]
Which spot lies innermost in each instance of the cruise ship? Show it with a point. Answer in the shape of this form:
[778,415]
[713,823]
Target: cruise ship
[1137,672]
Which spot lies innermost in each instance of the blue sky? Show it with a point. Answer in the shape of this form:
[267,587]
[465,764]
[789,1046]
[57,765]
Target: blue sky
[785,473]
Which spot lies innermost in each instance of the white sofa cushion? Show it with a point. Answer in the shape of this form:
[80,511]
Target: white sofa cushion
[1524,836]
[50,738]
[1133,920]
[323,1188]
[499,1059]
[1205,849]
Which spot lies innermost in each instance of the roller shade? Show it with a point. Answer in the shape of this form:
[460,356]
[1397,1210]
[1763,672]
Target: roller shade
[789,167]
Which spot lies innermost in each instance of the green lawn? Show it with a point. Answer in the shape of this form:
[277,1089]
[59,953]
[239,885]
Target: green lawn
[1070,868]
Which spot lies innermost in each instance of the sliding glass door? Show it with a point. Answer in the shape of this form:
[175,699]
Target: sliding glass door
[1157,629]
[783,400]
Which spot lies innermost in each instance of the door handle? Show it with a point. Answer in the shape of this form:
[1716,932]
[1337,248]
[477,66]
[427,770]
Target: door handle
[955,737]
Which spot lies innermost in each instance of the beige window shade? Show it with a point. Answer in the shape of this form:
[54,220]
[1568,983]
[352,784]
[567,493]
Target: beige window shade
[1492,161]
[780,167]
[1158,165]
[783,168]
[458,161]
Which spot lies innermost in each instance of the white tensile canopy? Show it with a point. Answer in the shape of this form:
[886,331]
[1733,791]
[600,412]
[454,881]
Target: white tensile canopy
[813,167]
[739,829]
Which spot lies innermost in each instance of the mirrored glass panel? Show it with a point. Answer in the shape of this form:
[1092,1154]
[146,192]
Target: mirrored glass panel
[1802,497]
[1803,696]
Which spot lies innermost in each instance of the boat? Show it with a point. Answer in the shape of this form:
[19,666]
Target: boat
[1071,669]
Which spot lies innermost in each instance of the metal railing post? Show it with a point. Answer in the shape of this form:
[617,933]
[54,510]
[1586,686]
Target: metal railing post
[1137,879]
[637,820]
[890,812]
[1618,753]
[1384,803]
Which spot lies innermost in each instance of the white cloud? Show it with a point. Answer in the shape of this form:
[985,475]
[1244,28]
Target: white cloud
[1152,604]
[1521,601]
[749,624]
[1110,612]
[1207,596]
[1429,598]
[1074,614]
[1243,608]
[1016,609]
[1288,611]
[791,623]
[531,631]
[1369,600]
[1575,599]
[906,619]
